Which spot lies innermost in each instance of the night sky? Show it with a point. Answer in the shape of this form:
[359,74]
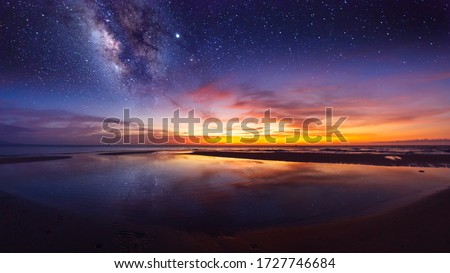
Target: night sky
[66,65]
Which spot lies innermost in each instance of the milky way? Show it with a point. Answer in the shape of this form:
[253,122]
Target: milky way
[154,47]
[131,39]
[114,48]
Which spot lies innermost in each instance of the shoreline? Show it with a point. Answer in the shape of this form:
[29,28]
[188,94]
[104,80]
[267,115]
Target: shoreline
[391,160]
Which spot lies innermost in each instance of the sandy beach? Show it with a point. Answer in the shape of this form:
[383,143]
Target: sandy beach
[419,227]
[417,160]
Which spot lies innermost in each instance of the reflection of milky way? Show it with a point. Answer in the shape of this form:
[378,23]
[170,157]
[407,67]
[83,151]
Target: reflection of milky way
[130,39]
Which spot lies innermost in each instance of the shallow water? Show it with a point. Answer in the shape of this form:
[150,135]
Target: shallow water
[198,192]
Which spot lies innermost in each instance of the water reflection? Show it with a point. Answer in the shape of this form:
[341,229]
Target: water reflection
[199,192]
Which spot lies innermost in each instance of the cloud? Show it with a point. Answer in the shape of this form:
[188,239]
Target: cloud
[378,109]
[33,126]
[209,93]
[385,106]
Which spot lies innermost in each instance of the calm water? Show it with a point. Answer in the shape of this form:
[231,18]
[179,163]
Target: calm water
[197,192]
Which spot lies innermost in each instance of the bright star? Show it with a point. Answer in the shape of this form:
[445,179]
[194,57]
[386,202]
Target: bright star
[177,35]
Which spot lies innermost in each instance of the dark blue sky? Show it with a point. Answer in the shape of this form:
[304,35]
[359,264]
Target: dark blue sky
[95,57]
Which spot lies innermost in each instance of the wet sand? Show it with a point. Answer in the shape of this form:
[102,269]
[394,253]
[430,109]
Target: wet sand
[416,160]
[419,227]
